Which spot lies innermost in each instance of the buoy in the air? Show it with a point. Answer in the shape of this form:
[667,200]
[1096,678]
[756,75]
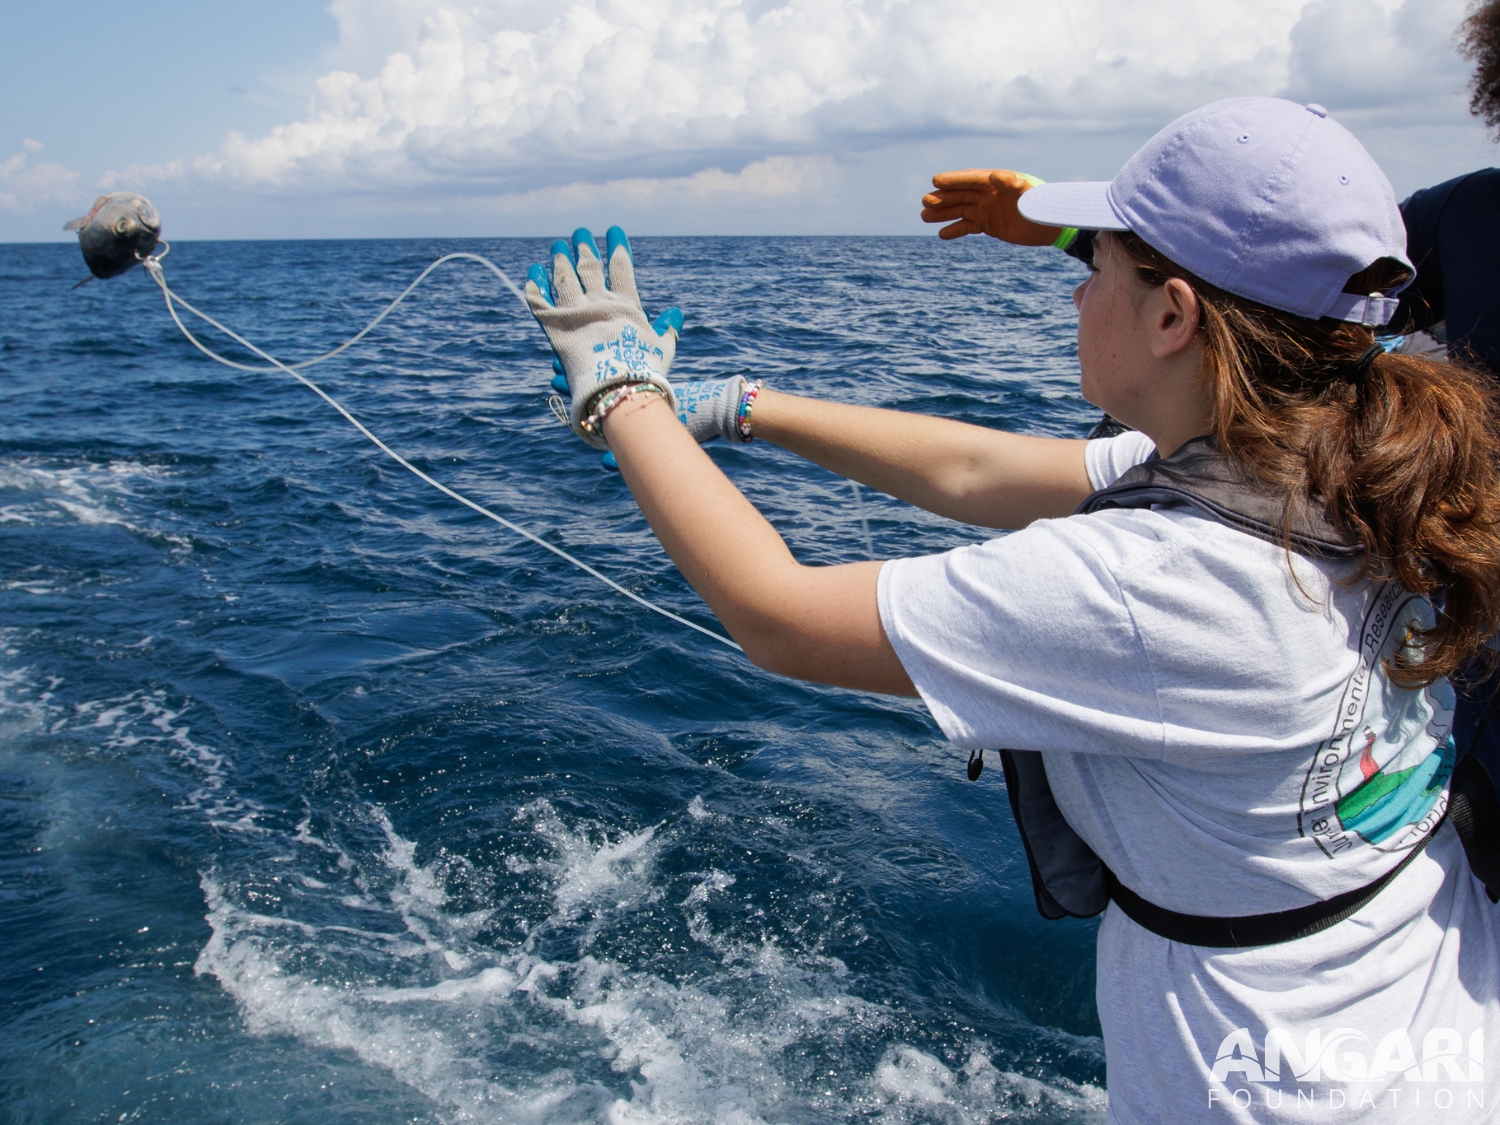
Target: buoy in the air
[119,231]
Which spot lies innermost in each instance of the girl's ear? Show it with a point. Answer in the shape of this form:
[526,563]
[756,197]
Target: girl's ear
[1176,318]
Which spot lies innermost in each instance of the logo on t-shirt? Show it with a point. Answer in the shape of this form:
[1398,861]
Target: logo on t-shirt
[1382,776]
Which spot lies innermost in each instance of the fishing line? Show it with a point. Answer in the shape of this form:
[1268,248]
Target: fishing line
[859,506]
[153,267]
[358,336]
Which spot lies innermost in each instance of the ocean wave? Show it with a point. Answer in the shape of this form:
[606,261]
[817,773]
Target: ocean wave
[475,837]
[709,1049]
[89,492]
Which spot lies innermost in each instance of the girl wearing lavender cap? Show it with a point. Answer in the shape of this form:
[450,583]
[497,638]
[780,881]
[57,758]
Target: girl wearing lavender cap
[1217,648]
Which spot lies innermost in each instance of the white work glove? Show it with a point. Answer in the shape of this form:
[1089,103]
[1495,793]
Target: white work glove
[599,330]
[709,408]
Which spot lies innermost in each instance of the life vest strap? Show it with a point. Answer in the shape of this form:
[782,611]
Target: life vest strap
[1067,875]
[1253,929]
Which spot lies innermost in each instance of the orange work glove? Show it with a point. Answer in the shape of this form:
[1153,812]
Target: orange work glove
[984,200]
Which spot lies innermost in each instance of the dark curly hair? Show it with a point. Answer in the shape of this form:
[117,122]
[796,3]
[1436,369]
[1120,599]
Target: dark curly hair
[1479,40]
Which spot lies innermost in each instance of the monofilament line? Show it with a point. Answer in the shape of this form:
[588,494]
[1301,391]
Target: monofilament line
[154,269]
[358,336]
[864,522]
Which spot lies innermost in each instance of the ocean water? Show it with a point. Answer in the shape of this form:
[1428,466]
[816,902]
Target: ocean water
[323,799]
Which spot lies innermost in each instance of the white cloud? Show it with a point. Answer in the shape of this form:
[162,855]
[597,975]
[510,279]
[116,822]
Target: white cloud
[438,117]
[24,183]
[764,183]
[1390,64]
[513,94]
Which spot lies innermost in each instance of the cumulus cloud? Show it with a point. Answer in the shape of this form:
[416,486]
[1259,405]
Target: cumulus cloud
[766,182]
[512,97]
[1396,65]
[26,182]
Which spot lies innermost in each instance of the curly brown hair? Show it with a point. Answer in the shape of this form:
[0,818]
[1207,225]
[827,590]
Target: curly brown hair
[1479,40]
[1400,458]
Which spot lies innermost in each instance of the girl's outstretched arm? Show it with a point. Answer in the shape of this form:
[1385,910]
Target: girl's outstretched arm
[981,476]
[811,623]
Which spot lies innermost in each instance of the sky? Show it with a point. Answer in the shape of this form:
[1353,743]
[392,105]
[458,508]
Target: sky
[425,118]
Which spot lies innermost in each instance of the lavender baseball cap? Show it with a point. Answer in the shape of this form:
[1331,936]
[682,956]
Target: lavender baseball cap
[1261,197]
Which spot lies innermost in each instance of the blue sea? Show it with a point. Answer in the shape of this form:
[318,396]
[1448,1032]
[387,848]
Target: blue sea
[325,799]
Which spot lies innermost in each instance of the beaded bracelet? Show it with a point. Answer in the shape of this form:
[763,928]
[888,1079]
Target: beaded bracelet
[611,398]
[747,404]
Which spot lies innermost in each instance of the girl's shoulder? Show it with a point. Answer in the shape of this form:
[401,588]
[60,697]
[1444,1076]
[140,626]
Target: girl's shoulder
[1181,543]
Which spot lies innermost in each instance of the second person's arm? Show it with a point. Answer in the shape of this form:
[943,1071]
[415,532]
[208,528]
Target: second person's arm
[980,476]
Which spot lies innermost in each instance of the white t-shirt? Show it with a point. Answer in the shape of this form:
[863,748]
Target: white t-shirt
[1216,723]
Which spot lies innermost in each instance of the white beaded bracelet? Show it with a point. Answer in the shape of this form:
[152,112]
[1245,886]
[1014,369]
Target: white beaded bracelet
[592,422]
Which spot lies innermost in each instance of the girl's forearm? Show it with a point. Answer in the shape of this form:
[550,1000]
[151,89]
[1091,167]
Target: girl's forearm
[812,623]
[971,473]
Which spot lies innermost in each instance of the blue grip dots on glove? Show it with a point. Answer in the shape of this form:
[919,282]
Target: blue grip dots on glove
[597,327]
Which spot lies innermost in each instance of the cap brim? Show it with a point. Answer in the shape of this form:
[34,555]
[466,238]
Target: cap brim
[1085,206]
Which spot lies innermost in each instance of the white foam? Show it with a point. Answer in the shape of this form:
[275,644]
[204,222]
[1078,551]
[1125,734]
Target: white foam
[584,871]
[493,983]
[23,707]
[145,719]
[83,491]
[29,587]
[432,992]
[90,515]
[305,835]
[713,881]
[910,1075]
[243,955]
[694,1051]
[912,1084]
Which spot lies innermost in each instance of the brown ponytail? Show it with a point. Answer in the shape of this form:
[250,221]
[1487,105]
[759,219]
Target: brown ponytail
[1402,456]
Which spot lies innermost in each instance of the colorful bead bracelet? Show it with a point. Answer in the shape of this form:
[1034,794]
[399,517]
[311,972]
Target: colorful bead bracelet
[747,404]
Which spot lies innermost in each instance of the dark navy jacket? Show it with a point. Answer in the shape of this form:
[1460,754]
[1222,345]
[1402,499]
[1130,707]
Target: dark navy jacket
[1453,238]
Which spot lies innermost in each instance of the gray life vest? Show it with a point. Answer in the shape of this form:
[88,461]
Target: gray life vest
[1068,878]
